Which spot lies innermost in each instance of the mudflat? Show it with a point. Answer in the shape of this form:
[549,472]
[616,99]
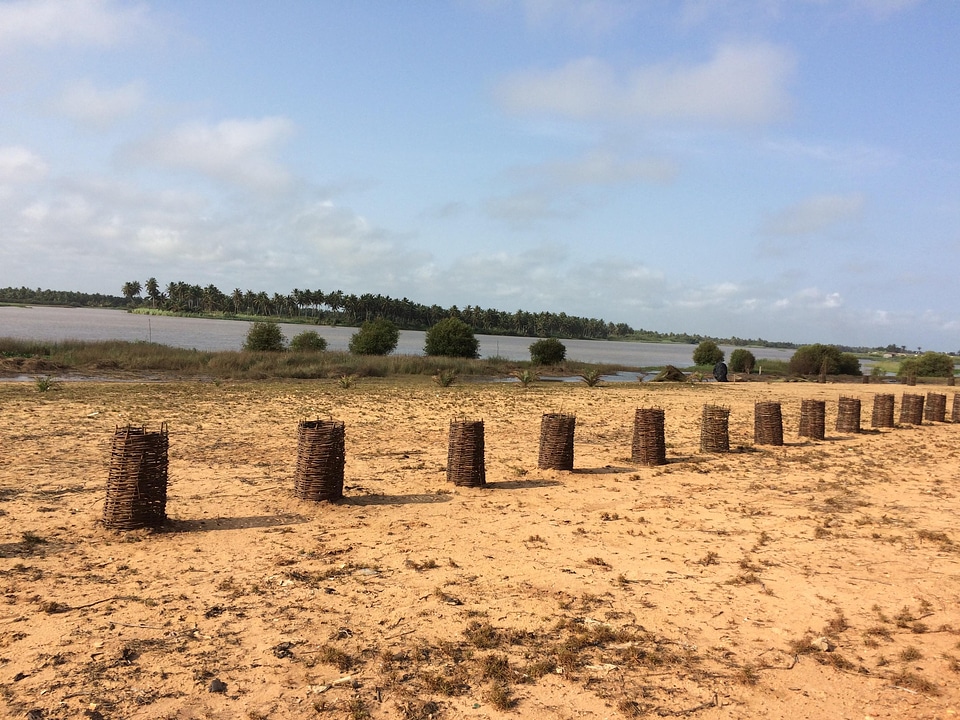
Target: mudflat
[817,579]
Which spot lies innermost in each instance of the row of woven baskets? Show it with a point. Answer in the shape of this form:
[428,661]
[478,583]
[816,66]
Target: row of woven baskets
[137,482]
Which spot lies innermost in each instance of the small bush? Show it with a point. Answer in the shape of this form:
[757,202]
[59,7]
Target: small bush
[452,338]
[549,351]
[264,337]
[375,337]
[742,360]
[811,359]
[308,341]
[707,353]
[930,364]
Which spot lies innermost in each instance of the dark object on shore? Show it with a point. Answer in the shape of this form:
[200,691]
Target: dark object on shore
[218,686]
[720,371]
[670,374]
[137,482]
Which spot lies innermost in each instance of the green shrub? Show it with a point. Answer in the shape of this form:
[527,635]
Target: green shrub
[264,337]
[452,338]
[549,351]
[812,359]
[930,364]
[308,341]
[375,337]
[742,360]
[707,353]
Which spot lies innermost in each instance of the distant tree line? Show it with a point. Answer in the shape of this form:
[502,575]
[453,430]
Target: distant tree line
[339,308]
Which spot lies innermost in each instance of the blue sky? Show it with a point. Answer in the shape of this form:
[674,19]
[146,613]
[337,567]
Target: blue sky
[785,169]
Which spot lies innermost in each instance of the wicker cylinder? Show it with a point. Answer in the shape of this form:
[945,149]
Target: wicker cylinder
[951,381]
[955,412]
[882,411]
[321,456]
[556,441]
[848,415]
[866,380]
[649,446]
[935,408]
[813,419]
[137,482]
[910,380]
[767,423]
[911,409]
[715,429]
[465,464]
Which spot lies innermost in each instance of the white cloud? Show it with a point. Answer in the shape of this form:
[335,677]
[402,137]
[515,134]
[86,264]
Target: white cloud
[88,104]
[51,23]
[605,169]
[236,151]
[18,165]
[740,84]
[814,215]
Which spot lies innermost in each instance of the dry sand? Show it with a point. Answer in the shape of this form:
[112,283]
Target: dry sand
[819,579]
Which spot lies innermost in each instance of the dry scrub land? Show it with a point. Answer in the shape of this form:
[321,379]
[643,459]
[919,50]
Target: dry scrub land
[820,579]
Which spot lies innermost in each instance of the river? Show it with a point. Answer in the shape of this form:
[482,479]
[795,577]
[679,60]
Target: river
[57,324]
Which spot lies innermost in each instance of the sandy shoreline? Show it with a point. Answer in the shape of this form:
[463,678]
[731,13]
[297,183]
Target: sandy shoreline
[816,579]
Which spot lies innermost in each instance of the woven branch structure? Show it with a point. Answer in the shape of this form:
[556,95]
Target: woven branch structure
[649,445]
[137,482]
[848,415]
[882,411]
[321,456]
[556,441]
[715,429]
[465,464]
[955,412]
[911,409]
[813,415]
[935,408]
[767,423]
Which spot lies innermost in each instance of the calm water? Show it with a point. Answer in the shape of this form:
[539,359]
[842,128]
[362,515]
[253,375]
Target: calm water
[46,323]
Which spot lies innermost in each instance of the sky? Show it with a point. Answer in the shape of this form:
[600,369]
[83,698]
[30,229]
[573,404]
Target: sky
[777,169]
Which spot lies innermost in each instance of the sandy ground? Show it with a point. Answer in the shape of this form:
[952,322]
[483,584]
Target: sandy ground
[819,579]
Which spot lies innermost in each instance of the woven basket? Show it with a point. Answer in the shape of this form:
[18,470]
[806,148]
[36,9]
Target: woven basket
[935,408]
[767,423]
[321,456]
[955,412]
[813,419]
[882,411]
[137,483]
[465,465]
[649,446]
[715,429]
[848,415]
[911,409]
[556,441]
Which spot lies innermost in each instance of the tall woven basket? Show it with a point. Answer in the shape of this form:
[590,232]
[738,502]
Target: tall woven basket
[882,411]
[556,441]
[715,429]
[848,415]
[321,457]
[465,462]
[813,419]
[649,446]
[137,482]
[935,408]
[955,410]
[911,409]
[767,423]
